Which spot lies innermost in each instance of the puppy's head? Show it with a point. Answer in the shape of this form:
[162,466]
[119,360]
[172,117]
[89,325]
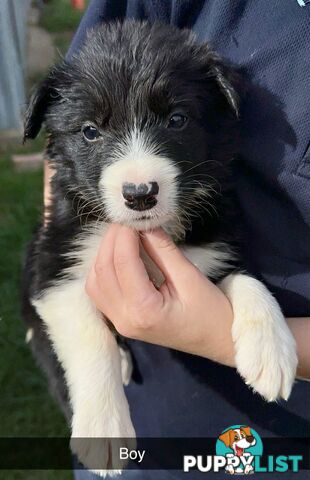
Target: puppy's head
[140,124]
[238,439]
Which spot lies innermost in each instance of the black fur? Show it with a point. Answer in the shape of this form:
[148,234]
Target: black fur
[126,72]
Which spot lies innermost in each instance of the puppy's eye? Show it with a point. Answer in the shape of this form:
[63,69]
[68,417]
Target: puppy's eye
[91,133]
[177,121]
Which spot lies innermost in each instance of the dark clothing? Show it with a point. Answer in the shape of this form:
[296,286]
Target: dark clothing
[182,395]
[270,41]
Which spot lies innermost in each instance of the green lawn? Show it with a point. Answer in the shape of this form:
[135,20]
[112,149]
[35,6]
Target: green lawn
[59,16]
[26,408]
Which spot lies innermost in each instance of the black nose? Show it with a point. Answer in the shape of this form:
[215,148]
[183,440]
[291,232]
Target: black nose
[140,197]
[250,438]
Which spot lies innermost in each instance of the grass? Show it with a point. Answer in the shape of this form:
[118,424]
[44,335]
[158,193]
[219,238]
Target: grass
[59,16]
[26,409]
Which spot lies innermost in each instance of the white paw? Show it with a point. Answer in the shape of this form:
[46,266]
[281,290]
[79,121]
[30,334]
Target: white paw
[126,365]
[97,440]
[248,470]
[265,353]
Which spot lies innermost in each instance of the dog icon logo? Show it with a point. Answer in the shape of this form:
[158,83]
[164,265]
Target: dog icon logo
[239,444]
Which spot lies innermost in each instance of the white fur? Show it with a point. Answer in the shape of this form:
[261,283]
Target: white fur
[88,351]
[85,251]
[90,357]
[265,347]
[211,259]
[137,160]
[126,365]
[29,335]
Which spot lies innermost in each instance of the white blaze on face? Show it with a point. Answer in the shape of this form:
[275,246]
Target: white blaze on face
[137,161]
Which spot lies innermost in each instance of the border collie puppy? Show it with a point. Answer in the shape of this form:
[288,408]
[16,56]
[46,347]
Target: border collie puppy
[142,127]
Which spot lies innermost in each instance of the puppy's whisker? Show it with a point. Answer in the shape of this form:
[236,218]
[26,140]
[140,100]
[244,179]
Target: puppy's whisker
[194,166]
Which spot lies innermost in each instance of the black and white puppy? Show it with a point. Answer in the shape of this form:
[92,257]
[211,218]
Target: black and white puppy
[142,127]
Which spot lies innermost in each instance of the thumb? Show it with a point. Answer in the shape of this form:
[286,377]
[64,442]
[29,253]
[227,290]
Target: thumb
[167,256]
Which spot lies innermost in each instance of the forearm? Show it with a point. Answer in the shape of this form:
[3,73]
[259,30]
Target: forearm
[196,319]
[211,335]
[300,328]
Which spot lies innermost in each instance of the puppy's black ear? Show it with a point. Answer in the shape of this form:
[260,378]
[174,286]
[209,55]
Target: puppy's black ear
[44,95]
[228,82]
[224,77]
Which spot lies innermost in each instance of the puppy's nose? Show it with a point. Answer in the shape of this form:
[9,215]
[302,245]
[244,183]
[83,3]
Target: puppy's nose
[140,197]
[250,438]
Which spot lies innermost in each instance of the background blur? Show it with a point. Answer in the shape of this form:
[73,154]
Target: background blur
[33,35]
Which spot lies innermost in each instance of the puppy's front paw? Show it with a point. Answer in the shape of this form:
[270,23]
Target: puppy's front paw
[97,441]
[102,455]
[266,353]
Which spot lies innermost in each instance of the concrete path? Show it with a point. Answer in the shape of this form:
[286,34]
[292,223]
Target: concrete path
[41,52]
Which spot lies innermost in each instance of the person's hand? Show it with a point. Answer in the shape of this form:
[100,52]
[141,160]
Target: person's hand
[187,312]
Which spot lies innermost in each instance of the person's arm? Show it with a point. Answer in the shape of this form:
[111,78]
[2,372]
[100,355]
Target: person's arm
[300,327]
[187,313]
[206,312]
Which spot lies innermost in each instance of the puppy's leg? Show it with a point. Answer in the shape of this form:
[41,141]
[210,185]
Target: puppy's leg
[126,365]
[265,348]
[90,357]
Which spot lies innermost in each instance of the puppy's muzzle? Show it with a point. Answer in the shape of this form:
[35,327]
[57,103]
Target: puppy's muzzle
[140,197]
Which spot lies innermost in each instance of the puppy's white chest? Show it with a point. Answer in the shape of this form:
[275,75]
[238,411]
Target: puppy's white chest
[211,259]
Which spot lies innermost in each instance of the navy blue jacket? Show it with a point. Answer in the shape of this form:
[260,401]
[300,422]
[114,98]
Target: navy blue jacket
[183,395]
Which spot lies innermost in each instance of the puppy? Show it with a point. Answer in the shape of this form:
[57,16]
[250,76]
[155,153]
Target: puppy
[238,439]
[142,126]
